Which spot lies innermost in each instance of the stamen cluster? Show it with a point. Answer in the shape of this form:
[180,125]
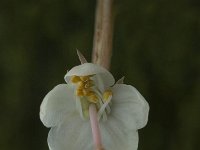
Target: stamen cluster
[84,87]
[87,92]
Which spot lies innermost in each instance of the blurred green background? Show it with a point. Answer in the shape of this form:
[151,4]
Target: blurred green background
[156,47]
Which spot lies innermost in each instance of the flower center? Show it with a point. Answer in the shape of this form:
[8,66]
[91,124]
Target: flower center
[87,93]
[84,88]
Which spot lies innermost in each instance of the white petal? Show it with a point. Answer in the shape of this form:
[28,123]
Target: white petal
[129,106]
[57,104]
[90,69]
[115,137]
[73,134]
[133,140]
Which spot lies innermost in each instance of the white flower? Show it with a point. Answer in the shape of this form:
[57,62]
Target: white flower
[122,110]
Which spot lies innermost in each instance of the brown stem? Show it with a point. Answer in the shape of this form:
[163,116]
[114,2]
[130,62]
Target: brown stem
[103,33]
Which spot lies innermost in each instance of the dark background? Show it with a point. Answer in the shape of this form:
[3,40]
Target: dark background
[156,47]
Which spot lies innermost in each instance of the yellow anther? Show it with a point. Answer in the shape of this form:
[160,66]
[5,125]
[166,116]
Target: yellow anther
[79,92]
[84,78]
[89,93]
[86,91]
[93,98]
[75,79]
[107,94]
[89,84]
[81,85]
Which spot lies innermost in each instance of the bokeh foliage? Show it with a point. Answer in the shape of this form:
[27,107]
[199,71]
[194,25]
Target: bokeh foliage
[156,47]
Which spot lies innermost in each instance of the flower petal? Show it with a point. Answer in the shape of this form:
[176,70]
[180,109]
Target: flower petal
[115,137]
[129,106]
[73,134]
[90,69]
[57,104]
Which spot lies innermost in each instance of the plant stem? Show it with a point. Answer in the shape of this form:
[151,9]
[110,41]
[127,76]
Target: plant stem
[103,33]
[102,51]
